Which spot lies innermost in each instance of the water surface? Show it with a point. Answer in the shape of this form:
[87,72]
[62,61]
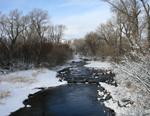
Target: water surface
[69,100]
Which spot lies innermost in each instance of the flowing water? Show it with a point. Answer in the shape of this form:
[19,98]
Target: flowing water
[67,100]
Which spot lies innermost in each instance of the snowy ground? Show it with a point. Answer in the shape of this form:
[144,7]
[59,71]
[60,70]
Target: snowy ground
[99,65]
[130,98]
[126,101]
[16,86]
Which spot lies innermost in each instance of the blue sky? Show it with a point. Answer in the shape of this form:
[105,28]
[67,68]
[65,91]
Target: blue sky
[79,16]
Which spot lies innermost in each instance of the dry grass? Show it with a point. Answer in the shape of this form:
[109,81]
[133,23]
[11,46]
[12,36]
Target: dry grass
[4,94]
[18,80]
[38,71]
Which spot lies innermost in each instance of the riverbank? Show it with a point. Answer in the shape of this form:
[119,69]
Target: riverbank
[79,96]
[129,98]
[15,87]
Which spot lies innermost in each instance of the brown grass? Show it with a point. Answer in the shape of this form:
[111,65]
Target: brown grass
[19,80]
[4,94]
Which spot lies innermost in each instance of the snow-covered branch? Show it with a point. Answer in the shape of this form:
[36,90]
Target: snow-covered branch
[137,70]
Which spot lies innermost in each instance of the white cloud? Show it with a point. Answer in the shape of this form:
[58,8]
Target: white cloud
[78,25]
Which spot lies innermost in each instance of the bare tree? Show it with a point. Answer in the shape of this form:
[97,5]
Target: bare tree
[55,33]
[108,32]
[25,38]
[80,46]
[26,33]
[147,11]
[91,39]
[1,28]
[120,32]
[3,41]
[130,10]
[12,28]
[39,22]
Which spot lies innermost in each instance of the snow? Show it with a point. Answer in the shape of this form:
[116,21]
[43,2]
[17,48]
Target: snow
[99,65]
[76,58]
[130,90]
[16,86]
[119,94]
[130,97]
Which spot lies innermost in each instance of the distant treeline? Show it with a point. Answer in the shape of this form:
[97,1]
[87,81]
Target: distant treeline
[128,30]
[31,38]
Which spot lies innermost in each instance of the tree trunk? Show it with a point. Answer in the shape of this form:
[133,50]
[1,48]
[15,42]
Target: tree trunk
[148,33]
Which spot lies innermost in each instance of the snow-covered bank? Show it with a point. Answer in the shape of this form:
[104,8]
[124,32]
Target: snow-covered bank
[99,65]
[130,97]
[15,87]
[126,101]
